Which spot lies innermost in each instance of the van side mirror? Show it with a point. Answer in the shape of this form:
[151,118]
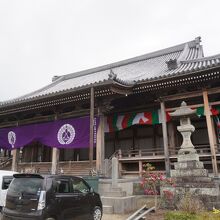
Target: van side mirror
[91,190]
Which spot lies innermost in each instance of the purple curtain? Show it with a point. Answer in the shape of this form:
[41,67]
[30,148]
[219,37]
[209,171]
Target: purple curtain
[69,133]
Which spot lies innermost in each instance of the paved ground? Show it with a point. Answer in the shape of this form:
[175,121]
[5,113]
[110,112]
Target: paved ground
[124,217]
[159,215]
[108,217]
[114,217]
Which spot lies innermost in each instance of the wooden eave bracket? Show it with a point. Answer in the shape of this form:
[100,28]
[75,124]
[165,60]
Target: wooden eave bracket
[122,90]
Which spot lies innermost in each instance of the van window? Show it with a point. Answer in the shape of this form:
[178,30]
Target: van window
[25,186]
[62,186]
[79,186]
[6,180]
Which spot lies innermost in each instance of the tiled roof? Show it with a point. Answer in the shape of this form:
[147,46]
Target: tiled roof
[188,57]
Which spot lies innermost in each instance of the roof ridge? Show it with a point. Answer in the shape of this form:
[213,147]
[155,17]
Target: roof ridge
[31,93]
[150,55]
[217,56]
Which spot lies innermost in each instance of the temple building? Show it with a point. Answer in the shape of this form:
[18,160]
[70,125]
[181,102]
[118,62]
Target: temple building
[77,123]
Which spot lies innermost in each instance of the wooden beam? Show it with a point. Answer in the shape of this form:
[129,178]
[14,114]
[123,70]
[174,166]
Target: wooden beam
[47,118]
[188,95]
[194,106]
[165,139]
[91,139]
[210,132]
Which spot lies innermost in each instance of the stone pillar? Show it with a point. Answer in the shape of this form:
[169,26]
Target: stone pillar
[55,160]
[140,164]
[100,145]
[15,158]
[165,139]
[115,172]
[210,132]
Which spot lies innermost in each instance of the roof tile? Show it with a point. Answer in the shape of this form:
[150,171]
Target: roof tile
[143,68]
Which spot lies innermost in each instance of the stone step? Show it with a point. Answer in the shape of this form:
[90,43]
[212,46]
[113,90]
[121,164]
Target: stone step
[114,194]
[121,205]
[189,179]
[116,189]
[197,185]
[107,209]
[189,165]
[189,172]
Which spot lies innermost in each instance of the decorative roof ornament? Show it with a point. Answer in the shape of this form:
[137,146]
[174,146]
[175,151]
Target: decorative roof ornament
[172,64]
[198,40]
[55,78]
[112,75]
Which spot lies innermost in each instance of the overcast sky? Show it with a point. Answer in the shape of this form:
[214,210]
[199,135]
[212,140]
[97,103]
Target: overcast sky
[43,38]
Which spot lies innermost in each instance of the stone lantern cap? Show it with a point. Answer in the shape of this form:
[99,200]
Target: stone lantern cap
[182,111]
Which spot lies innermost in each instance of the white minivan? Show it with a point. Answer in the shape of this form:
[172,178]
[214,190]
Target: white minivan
[6,177]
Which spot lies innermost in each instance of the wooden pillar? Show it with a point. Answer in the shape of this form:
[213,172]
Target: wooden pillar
[15,158]
[91,141]
[165,139]
[214,134]
[100,144]
[171,137]
[210,132]
[55,160]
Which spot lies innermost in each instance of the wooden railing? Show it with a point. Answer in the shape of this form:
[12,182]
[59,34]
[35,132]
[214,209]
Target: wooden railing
[140,152]
[138,156]
[79,168]
[202,150]
[5,161]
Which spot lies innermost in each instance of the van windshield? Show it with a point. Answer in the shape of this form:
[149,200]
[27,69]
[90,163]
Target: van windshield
[24,193]
[25,186]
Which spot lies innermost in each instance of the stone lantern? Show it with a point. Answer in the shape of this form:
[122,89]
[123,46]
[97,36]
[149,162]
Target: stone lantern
[189,173]
[187,150]
[188,163]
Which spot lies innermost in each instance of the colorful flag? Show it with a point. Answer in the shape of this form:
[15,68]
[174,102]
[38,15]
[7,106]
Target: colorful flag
[215,110]
[118,122]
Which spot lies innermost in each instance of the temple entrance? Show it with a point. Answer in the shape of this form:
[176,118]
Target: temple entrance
[35,152]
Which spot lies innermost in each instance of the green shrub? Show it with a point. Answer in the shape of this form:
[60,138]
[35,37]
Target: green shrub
[177,215]
[190,203]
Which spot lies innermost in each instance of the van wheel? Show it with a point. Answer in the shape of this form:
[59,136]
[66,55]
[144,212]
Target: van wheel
[97,213]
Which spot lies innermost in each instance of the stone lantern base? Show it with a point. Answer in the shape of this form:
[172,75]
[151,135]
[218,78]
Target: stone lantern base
[189,173]
[191,177]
